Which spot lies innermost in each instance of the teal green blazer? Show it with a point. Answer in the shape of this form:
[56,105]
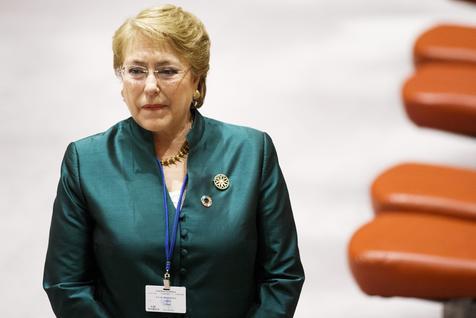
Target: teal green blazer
[237,258]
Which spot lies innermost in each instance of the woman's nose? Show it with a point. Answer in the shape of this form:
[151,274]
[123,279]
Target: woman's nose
[151,84]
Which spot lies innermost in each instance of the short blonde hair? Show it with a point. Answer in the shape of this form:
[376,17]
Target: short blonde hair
[185,32]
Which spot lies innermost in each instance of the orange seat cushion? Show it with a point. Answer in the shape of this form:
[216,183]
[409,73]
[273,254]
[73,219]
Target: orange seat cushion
[426,188]
[446,43]
[415,255]
[442,96]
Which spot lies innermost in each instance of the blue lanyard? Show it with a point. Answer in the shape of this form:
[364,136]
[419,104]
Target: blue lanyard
[170,244]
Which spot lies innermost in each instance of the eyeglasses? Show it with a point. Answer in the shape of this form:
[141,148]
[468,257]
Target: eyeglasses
[166,75]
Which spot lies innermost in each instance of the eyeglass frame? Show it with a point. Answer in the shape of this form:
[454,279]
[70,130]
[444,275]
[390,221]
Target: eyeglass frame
[146,70]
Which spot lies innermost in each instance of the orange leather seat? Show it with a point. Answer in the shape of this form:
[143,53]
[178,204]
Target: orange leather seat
[442,96]
[446,43]
[415,255]
[419,187]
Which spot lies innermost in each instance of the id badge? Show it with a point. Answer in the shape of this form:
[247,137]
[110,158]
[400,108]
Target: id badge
[158,299]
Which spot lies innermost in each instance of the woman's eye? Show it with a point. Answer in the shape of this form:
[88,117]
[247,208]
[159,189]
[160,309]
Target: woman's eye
[137,71]
[168,71]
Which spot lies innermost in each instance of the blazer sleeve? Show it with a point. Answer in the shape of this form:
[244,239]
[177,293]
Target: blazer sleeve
[69,268]
[279,271]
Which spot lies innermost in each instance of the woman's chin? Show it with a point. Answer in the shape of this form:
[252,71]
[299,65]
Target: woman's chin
[152,124]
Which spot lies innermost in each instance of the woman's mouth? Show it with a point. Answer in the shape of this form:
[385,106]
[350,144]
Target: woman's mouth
[153,106]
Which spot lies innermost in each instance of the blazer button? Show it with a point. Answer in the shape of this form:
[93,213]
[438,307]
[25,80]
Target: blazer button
[183,271]
[184,252]
[182,216]
[184,233]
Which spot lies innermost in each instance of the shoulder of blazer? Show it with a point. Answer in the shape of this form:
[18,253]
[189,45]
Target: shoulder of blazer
[232,133]
[100,141]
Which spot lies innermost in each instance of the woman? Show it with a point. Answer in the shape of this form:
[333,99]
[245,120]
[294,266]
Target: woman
[169,213]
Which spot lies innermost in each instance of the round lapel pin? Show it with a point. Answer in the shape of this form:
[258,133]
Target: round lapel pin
[221,181]
[206,201]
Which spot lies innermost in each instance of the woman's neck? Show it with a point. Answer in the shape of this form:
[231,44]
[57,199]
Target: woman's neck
[168,143]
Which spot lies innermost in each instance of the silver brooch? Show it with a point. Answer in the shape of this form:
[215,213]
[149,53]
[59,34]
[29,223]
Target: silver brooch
[221,181]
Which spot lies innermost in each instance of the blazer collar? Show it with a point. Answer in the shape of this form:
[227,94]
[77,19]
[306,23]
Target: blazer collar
[144,139]
[195,134]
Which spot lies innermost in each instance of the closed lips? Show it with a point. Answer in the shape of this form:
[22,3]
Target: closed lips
[153,106]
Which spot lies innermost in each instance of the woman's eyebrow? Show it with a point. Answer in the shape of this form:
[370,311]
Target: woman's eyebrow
[160,63]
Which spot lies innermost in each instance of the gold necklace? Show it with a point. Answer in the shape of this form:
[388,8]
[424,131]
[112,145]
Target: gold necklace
[178,157]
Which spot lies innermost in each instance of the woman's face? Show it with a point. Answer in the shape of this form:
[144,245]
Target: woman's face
[158,86]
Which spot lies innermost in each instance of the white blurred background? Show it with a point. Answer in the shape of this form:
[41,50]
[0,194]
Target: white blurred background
[321,77]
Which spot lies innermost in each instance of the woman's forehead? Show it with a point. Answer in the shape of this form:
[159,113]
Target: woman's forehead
[148,51]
